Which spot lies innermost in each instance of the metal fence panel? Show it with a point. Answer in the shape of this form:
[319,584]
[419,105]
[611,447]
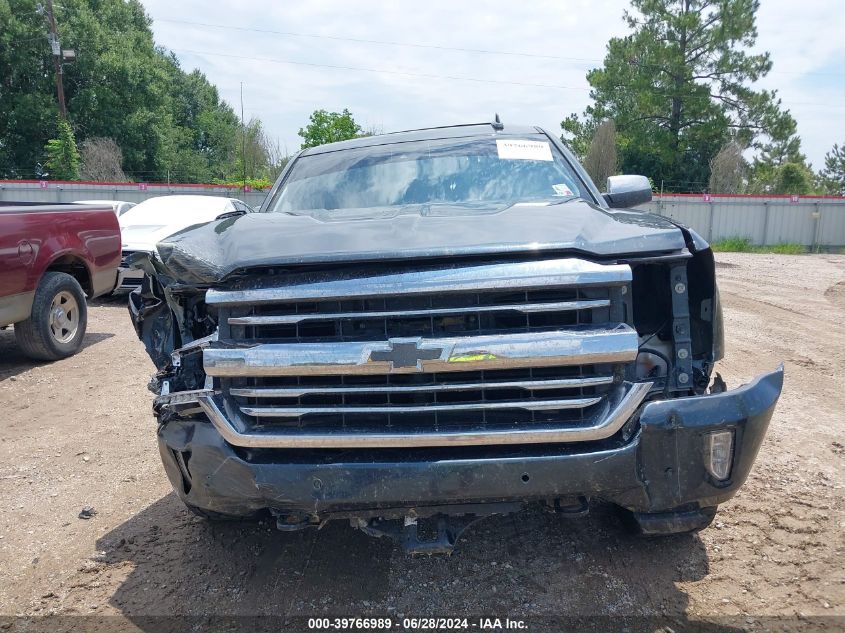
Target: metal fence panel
[698,216]
[765,220]
[831,224]
[129,192]
[790,223]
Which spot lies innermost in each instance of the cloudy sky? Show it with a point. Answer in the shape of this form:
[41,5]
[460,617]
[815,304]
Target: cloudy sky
[399,65]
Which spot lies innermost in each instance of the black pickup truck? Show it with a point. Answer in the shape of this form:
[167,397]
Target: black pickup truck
[424,328]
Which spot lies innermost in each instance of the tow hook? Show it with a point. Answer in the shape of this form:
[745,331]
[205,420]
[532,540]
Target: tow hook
[569,506]
[444,532]
[294,521]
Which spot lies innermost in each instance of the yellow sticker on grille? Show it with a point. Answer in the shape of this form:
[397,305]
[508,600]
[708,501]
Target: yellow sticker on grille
[471,358]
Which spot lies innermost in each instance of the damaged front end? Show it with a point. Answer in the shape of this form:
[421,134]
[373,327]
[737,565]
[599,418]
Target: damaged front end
[415,396]
[171,320]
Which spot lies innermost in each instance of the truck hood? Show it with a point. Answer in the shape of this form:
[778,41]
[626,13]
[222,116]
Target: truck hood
[209,253]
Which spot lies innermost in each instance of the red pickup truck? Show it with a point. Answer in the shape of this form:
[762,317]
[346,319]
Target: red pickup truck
[51,257]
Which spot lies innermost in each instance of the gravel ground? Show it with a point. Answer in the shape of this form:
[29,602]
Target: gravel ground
[80,432]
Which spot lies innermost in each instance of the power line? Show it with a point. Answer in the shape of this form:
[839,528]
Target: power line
[386,71]
[481,51]
[429,75]
[379,70]
[380,42]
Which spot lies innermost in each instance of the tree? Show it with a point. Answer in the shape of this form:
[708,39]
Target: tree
[329,127]
[253,151]
[767,169]
[258,156]
[169,124]
[601,159]
[203,129]
[832,177]
[372,130]
[793,178]
[27,92]
[728,170]
[101,160]
[62,156]
[279,157]
[678,86]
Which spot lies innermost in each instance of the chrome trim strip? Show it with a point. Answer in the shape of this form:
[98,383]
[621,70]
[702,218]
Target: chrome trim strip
[193,346]
[532,385]
[610,425]
[505,351]
[528,308]
[552,273]
[183,397]
[529,405]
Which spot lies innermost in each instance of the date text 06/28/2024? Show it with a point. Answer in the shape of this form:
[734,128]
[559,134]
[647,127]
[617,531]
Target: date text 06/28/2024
[424,624]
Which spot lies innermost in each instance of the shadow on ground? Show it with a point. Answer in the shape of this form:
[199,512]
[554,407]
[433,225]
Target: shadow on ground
[119,298]
[14,362]
[531,563]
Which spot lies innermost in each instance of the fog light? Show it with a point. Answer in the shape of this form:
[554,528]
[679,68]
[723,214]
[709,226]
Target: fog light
[721,454]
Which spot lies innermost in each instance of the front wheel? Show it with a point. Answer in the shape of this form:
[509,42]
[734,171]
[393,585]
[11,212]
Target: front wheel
[56,326]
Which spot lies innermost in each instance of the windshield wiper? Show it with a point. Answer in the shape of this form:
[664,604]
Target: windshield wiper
[564,199]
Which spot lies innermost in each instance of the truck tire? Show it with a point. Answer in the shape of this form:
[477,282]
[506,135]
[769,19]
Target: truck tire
[56,326]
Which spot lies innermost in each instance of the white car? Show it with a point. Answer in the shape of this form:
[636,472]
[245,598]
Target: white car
[154,219]
[118,206]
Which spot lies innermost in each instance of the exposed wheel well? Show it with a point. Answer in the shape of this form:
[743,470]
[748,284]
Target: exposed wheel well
[76,268]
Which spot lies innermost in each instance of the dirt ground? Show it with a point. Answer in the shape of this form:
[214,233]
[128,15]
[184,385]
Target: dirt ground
[80,432]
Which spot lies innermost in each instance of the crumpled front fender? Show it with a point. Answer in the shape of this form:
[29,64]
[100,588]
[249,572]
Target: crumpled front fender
[154,324]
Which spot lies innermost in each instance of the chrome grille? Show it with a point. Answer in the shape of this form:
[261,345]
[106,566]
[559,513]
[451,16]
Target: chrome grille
[455,352]
[375,319]
[425,401]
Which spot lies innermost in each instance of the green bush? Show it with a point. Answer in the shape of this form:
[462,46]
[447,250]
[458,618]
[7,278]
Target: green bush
[62,156]
[255,183]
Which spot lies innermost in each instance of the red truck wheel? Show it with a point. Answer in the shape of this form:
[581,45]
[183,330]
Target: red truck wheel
[56,326]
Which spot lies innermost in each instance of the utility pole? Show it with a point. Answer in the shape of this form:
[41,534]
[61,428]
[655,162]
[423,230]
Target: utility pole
[56,47]
[243,135]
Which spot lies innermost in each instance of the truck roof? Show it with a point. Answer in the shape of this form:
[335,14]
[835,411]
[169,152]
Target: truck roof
[424,134]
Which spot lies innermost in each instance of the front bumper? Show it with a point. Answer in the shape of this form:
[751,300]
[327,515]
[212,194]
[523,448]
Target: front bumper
[661,469]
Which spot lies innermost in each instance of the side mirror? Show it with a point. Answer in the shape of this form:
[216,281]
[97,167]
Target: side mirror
[627,191]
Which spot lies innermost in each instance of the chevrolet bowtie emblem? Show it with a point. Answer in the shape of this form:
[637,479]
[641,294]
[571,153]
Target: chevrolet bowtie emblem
[406,354]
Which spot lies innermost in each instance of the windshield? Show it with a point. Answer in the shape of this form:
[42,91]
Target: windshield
[472,172]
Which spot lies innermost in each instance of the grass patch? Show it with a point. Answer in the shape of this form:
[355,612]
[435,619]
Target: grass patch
[733,245]
[785,248]
[744,245]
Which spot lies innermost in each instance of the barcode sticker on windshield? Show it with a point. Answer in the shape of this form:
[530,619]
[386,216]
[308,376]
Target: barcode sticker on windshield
[523,150]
